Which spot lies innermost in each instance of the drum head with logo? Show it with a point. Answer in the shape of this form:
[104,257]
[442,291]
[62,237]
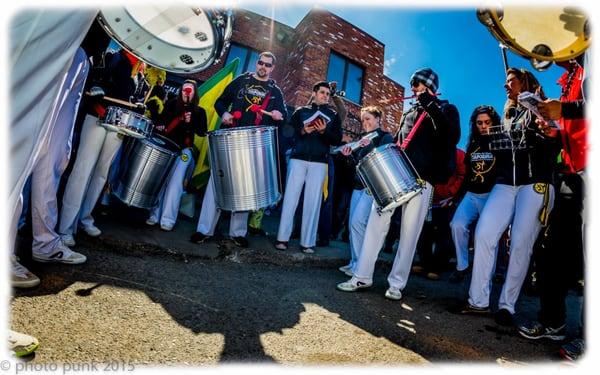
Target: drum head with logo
[179,39]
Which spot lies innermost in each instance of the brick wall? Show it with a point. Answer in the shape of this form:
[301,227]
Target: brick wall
[303,57]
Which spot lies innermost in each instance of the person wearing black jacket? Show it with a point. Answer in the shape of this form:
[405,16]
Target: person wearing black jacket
[317,127]
[480,178]
[361,201]
[438,121]
[522,197]
[251,99]
[183,118]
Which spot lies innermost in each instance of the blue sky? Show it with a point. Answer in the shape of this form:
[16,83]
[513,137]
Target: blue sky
[450,40]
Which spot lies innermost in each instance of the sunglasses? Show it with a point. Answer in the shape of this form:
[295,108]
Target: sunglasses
[261,63]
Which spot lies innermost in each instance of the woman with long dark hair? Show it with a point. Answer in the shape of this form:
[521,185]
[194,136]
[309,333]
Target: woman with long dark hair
[480,178]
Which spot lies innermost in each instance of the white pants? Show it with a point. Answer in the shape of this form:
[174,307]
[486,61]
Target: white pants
[506,204]
[466,213]
[360,208]
[53,160]
[413,216]
[311,176]
[42,46]
[167,207]
[96,151]
[209,216]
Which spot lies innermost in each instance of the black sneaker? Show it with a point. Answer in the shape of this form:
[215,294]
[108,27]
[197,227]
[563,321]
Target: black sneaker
[503,317]
[468,309]
[457,276]
[257,231]
[536,330]
[199,238]
[572,350]
[240,241]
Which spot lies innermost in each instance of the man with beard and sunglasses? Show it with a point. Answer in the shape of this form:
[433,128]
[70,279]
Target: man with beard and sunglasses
[242,104]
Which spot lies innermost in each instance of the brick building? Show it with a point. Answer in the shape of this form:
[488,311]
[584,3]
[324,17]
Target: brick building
[322,47]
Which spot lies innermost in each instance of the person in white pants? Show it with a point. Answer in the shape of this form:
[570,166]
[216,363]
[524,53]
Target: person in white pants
[317,127]
[97,149]
[362,200]
[434,118]
[481,175]
[185,119]
[522,197]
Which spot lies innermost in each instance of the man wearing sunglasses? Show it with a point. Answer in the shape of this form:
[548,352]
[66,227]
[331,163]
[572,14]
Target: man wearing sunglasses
[251,99]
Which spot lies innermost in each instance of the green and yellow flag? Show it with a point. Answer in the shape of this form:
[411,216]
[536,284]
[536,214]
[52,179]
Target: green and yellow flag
[209,92]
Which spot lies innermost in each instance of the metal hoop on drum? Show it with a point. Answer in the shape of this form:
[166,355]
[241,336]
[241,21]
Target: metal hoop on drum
[542,35]
[178,39]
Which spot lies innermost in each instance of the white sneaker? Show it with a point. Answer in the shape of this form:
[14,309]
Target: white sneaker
[347,269]
[393,294]
[67,239]
[353,285]
[21,277]
[61,254]
[21,344]
[151,221]
[167,228]
[92,231]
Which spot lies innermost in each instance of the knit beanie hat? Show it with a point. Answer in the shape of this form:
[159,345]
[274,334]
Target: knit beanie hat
[428,77]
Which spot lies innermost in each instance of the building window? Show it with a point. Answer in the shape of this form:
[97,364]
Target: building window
[348,75]
[248,58]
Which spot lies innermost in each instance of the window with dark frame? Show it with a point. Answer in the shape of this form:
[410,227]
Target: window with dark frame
[347,74]
[248,58]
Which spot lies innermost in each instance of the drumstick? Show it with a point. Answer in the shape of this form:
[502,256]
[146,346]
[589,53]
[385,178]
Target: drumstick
[115,100]
[402,98]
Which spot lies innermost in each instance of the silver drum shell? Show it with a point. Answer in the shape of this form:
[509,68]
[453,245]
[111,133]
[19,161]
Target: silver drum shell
[244,167]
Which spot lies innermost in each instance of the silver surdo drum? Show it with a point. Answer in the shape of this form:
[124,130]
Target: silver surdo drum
[244,167]
[126,122]
[389,177]
[145,166]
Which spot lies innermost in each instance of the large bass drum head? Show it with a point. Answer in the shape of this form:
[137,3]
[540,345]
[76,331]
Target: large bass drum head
[179,39]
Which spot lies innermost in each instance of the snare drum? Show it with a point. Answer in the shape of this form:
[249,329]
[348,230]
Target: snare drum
[126,122]
[389,177]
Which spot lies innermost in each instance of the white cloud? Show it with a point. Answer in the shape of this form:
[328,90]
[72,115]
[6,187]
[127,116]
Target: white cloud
[387,65]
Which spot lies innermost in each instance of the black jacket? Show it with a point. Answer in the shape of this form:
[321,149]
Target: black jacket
[314,146]
[533,164]
[244,91]
[183,133]
[439,129]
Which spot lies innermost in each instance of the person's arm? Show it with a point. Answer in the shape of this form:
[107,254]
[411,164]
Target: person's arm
[224,101]
[279,106]
[201,123]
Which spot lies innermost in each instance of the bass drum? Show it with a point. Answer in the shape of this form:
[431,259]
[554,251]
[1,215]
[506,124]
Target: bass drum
[178,39]
[551,33]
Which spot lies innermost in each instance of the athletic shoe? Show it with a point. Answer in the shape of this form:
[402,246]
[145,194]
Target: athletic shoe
[67,239]
[240,241]
[572,350]
[257,232]
[92,231]
[151,221]
[307,250]
[21,277]
[61,254]
[417,269]
[347,270]
[394,294]
[468,309]
[281,245]
[503,317]
[166,228]
[536,330]
[457,276]
[199,237]
[21,344]
[352,285]
[433,276]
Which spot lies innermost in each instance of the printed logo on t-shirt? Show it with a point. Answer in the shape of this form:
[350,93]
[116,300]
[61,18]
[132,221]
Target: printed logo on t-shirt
[253,94]
[481,164]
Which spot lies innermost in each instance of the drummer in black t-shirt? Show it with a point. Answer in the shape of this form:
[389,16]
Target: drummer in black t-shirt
[255,99]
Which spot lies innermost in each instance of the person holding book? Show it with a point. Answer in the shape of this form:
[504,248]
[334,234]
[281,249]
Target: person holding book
[317,127]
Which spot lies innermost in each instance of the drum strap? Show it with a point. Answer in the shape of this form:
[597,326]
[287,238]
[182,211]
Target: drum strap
[407,140]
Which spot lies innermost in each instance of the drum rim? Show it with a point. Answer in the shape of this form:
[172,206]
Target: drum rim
[147,140]
[222,40]
[253,128]
[506,38]
[377,150]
